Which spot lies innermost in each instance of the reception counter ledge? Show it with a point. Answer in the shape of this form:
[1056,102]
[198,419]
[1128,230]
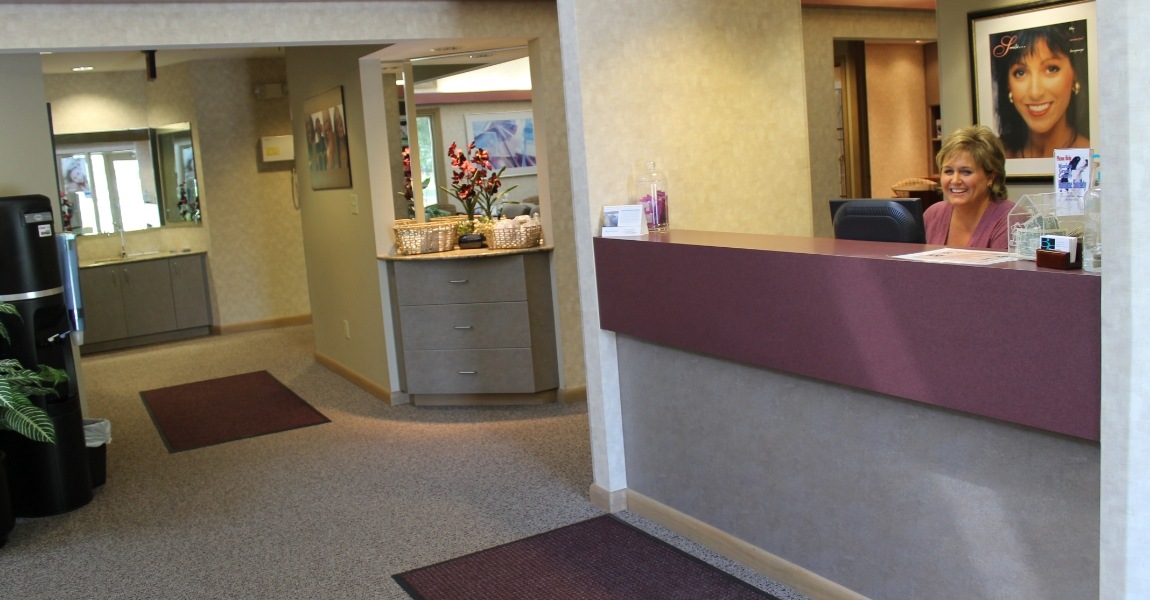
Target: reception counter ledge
[1011,341]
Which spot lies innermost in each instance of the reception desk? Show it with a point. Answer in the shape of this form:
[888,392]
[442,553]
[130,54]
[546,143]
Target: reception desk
[896,428]
[1009,341]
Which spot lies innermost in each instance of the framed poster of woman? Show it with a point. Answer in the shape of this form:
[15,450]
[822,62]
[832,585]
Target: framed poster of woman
[1032,81]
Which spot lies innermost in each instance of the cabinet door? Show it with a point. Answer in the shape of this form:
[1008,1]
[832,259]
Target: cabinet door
[490,371]
[104,317]
[460,281]
[148,297]
[461,326]
[190,292]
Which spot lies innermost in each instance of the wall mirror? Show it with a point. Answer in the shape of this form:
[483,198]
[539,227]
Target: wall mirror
[127,180]
[440,99]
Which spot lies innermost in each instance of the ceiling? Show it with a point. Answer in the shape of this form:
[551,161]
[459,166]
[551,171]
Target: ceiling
[133,60]
[430,58]
[458,55]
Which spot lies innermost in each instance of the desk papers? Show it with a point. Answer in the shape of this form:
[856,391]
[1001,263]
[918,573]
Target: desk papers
[960,256]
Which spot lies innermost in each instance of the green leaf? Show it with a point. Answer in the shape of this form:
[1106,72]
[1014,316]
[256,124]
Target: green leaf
[7,309]
[23,417]
[17,412]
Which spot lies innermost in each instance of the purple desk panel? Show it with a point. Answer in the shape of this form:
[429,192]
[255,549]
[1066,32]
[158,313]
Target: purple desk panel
[1013,342]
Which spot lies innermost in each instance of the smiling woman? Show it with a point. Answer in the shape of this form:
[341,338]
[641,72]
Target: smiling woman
[973,169]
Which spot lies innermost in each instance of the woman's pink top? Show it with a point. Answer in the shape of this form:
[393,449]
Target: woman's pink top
[990,233]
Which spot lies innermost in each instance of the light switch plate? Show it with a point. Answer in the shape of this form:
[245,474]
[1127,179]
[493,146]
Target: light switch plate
[354,200]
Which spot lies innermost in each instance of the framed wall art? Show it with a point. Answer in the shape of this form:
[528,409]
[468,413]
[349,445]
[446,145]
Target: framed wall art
[1033,76]
[326,130]
[508,138]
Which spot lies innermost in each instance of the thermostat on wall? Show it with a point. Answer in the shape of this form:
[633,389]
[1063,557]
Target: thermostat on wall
[277,148]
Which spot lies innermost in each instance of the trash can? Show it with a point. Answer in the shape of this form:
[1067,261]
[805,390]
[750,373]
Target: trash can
[97,434]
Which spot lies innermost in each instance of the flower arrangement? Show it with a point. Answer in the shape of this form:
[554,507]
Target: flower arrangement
[475,183]
[408,193]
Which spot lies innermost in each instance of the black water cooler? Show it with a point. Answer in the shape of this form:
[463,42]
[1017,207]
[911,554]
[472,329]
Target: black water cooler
[44,479]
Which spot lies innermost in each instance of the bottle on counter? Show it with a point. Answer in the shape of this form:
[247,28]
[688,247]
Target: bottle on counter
[651,194]
[1092,225]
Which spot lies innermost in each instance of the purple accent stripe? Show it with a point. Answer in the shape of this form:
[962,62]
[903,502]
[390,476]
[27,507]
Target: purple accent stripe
[1015,343]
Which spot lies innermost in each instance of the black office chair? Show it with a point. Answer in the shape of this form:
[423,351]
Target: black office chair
[879,220]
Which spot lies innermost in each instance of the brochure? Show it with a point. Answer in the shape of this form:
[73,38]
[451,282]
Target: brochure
[1072,179]
[960,256]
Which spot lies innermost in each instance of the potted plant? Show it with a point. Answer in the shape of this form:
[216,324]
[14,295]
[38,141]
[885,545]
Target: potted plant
[19,414]
[476,184]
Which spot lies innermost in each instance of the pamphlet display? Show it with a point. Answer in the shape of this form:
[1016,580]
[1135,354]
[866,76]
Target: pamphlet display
[1071,179]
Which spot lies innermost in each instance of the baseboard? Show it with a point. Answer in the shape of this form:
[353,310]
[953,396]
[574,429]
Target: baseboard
[778,569]
[573,394]
[359,380]
[264,324]
[144,340]
[611,502]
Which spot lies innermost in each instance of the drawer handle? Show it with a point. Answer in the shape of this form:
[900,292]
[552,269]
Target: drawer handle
[462,327]
[469,372]
[457,281]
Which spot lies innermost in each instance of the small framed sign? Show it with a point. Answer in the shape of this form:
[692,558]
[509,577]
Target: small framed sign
[625,220]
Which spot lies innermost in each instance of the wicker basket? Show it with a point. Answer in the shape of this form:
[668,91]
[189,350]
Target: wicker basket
[523,236]
[424,238]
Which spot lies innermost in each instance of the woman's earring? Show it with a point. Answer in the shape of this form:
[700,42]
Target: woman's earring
[1077,88]
[1010,97]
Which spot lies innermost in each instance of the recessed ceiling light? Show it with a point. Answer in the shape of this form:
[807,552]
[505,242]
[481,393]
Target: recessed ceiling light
[86,68]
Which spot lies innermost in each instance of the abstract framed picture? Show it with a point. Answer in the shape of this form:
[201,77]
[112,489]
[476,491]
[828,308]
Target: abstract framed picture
[508,138]
[325,128]
[1034,85]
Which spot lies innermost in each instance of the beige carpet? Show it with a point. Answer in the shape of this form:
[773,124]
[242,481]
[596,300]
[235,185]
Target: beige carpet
[319,512]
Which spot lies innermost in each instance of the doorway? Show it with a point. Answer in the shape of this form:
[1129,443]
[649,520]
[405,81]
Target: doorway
[889,108]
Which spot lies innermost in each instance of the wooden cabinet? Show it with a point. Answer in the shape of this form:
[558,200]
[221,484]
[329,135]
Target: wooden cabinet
[147,296]
[138,302]
[103,304]
[190,291]
[481,325]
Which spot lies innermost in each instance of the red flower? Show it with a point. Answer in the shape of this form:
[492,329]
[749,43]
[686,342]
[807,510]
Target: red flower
[474,181]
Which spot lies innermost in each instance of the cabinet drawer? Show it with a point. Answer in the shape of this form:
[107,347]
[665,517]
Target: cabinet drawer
[503,370]
[460,326]
[498,279]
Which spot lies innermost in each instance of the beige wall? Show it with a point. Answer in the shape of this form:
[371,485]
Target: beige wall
[340,246]
[24,129]
[731,134]
[256,254]
[251,229]
[821,27]
[897,115]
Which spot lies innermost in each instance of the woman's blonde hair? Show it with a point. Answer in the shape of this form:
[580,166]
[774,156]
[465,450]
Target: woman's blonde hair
[984,148]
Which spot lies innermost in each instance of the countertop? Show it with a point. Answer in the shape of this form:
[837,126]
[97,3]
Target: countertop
[1011,341]
[456,254]
[135,257]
